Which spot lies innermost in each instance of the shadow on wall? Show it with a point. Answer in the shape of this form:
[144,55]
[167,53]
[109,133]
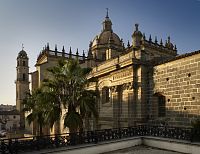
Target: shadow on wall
[173,96]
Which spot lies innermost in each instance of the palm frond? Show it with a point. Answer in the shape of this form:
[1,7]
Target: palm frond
[73,120]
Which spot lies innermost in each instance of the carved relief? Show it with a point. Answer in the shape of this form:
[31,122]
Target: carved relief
[123,74]
[114,89]
[127,86]
[130,86]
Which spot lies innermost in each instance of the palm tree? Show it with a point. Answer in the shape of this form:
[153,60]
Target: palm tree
[55,90]
[67,83]
[53,106]
[33,105]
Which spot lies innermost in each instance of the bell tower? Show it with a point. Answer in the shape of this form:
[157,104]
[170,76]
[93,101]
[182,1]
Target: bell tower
[22,83]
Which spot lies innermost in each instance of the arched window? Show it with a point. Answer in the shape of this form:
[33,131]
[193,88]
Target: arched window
[105,95]
[24,63]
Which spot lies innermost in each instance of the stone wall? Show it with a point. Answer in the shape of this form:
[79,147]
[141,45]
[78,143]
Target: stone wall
[179,82]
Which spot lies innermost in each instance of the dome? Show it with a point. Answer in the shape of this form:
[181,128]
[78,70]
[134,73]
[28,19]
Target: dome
[104,38]
[107,35]
[22,54]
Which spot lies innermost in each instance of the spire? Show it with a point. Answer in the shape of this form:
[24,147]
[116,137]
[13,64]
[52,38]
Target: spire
[22,46]
[47,46]
[161,43]
[107,13]
[144,37]
[150,39]
[128,45]
[63,51]
[83,55]
[156,41]
[136,27]
[77,52]
[70,50]
[56,48]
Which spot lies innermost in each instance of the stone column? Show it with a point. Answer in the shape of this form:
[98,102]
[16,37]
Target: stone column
[131,104]
[116,106]
[133,97]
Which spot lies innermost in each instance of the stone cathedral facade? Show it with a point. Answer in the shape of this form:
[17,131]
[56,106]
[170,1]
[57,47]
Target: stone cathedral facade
[146,82]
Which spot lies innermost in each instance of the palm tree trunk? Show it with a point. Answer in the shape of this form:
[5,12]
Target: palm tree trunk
[57,127]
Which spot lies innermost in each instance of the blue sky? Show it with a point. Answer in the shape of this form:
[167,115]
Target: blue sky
[76,22]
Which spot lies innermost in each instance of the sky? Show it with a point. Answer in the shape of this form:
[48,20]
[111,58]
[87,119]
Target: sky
[76,22]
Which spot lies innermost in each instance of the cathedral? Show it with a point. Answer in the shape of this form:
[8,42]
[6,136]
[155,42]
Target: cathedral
[146,82]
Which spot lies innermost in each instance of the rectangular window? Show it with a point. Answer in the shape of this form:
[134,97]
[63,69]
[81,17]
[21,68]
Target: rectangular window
[24,63]
[105,95]
[24,77]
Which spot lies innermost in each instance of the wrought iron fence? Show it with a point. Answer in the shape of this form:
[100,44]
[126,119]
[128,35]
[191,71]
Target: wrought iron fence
[20,145]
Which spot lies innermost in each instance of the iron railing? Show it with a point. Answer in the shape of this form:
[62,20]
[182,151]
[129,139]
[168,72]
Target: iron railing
[25,144]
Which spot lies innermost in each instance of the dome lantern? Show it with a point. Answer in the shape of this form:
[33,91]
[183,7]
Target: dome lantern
[107,24]
[107,38]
